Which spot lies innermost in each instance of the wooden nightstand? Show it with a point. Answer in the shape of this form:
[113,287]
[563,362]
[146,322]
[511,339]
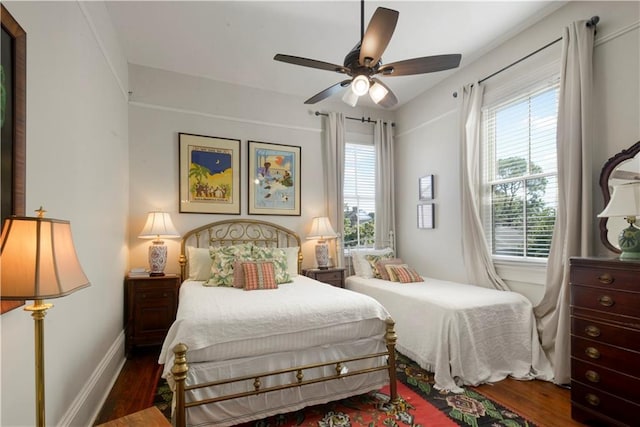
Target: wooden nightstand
[332,276]
[150,307]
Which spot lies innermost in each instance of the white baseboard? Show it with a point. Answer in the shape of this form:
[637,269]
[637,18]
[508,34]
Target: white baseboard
[87,405]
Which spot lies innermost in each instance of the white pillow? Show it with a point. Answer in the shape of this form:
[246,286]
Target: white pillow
[292,260]
[199,263]
[361,266]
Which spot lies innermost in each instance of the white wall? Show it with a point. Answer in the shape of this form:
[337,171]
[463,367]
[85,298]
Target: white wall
[77,168]
[164,104]
[428,140]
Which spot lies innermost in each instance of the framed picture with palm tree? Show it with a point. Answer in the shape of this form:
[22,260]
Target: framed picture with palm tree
[209,174]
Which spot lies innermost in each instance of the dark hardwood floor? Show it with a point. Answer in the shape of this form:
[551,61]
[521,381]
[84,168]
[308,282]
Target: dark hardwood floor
[544,403]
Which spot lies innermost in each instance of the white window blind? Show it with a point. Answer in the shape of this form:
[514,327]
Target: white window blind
[520,173]
[359,194]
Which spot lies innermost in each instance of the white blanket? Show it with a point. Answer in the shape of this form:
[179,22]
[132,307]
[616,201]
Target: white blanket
[464,334]
[220,316]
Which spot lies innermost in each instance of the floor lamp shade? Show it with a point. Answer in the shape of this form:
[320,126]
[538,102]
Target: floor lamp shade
[158,227]
[38,261]
[321,230]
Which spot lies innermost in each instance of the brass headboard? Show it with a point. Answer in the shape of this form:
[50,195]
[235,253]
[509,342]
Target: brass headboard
[235,231]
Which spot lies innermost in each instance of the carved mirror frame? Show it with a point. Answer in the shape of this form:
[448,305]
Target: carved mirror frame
[605,176]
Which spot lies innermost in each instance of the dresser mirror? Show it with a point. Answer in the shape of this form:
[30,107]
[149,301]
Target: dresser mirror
[622,168]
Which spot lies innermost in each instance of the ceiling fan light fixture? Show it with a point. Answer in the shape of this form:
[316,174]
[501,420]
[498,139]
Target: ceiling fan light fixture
[360,85]
[377,92]
[350,97]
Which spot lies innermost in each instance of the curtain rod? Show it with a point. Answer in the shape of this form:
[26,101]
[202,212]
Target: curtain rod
[590,23]
[361,119]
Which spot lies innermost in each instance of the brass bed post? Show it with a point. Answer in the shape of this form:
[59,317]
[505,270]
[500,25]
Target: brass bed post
[179,371]
[391,338]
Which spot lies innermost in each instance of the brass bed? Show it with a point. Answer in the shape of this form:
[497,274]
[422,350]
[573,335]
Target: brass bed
[288,379]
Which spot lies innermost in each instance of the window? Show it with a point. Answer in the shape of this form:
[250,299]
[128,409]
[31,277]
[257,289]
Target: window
[520,173]
[359,194]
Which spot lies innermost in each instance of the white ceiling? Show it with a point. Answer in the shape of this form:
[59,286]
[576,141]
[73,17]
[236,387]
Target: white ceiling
[235,41]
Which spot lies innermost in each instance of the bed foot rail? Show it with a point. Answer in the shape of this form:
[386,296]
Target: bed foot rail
[179,371]
[391,338]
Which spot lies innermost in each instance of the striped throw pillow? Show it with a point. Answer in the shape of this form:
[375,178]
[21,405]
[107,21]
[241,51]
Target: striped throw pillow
[402,273]
[259,275]
[381,267]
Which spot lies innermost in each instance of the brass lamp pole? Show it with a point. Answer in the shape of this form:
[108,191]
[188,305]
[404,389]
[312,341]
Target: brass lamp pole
[38,261]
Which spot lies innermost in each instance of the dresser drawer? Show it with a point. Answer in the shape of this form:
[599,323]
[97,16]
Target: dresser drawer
[605,333]
[602,402]
[606,380]
[608,356]
[609,278]
[606,300]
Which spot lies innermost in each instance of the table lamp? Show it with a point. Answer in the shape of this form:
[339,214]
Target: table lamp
[158,227]
[625,202]
[38,261]
[321,229]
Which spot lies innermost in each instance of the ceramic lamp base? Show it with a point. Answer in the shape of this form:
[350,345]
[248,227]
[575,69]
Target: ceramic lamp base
[629,241]
[322,255]
[157,258]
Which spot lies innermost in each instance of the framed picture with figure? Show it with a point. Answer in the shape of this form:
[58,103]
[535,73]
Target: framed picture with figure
[274,179]
[425,187]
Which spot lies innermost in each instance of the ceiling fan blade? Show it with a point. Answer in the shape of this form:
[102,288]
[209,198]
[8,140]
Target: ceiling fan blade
[377,37]
[390,98]
[312,63]
[328,92]
[426,64]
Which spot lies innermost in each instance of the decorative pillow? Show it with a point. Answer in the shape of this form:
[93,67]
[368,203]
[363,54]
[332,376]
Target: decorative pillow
[259,275]
[292,260]
[222,262]
[361,266]
[199,261]
[278,257]
[373,261]
[402,273]
[380,266]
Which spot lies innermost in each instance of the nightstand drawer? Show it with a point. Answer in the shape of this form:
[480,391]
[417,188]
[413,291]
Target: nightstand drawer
[329,276]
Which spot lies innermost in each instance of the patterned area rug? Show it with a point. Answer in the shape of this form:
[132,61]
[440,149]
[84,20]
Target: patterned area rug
[421,406]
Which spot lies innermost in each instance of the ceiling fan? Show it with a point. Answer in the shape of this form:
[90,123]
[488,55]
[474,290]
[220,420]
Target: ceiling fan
[364,62]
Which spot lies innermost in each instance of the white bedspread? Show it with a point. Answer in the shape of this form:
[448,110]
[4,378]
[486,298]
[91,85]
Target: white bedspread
[237,323]
[464,334]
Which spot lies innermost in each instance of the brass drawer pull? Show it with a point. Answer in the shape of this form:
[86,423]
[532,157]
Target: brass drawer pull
[606,301]
[592,376]
[592,331]
[592,399]
[605,278]
[592,353]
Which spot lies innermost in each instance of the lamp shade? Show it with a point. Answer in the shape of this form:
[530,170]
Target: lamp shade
[38,260]
[158,226]
[321,229]
[625,201]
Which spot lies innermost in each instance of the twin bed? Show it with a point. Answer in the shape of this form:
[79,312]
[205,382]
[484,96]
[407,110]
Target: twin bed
[264,352]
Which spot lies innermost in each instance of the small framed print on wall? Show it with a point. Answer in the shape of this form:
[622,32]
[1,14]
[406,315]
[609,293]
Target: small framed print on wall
[426,216]
[425,187]
[274,179]
[209,174]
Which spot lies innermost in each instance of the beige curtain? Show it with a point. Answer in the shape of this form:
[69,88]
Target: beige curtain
[385,197]
[333,160]
[572,235]
[477,258]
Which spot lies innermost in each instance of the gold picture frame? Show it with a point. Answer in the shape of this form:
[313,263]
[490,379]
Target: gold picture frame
[209,174]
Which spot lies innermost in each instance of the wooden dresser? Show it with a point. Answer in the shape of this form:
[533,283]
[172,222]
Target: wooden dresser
[605,341]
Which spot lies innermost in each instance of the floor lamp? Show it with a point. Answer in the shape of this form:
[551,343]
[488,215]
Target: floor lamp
[38,261]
